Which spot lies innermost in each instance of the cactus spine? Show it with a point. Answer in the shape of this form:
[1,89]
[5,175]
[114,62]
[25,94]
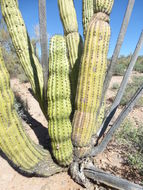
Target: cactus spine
[13,140]
[59,105]
[90,83]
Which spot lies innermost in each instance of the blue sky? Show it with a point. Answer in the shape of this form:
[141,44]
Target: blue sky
[29,11]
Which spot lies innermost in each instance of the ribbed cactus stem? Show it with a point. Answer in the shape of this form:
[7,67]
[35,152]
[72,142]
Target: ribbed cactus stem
[91,78]
[100,118]
[23,47]
[73,40]
[87,13]
[68,16]
[14,142]
[75,48]
[104,6]
[59,104]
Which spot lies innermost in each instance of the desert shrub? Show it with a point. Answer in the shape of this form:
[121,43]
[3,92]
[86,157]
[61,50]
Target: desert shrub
[139,67]
[119,69]
[20,106]
[131,138]
[131,89]
[115,86]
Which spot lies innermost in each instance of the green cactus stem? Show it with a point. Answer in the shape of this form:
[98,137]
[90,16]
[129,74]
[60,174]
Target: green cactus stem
[17,146]
[104,6]
[23,47]
[87,13]
[90,83]
[100,118]
[73,40]
[75,48]
[68,16]
[59,104]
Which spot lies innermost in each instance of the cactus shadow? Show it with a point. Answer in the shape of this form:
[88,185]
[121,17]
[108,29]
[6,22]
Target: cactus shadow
[16,168]
[39,130]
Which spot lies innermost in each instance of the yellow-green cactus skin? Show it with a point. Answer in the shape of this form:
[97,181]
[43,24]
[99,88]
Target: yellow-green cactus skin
[90,83]
[75,48]
[73,40]
[14,142]
[68,16]
[59,104]
[104,6]
[100,118]
[23,47]
[87,13]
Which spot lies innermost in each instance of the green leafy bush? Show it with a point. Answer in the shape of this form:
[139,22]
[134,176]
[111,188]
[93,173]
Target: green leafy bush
[132,138]
[119,69]
[131,89]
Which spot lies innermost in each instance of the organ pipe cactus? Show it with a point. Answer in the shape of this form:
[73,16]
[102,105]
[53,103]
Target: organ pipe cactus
[14,142]
[90,83]
[59,104]
[71,99]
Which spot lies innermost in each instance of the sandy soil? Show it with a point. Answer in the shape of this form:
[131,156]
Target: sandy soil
[112,158]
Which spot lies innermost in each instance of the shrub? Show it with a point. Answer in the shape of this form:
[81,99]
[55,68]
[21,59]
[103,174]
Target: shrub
[139,67]
[115,86]
[119,69]
[131,89]
[131,137]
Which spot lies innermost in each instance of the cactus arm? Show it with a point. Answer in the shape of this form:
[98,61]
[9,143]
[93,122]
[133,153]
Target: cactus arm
[87,13]
[59,105]
[122,88]
[104,6]
[14,142]
[44,45]
[23,47]
[73,40]
[90,83]
[68,16]
[75,48]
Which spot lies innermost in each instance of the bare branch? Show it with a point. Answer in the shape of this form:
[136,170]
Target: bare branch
[106,178]
[101,147]
[43,41]
[121,89]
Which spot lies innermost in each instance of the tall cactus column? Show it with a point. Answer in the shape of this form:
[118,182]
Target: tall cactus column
[90,83]
[14,142]
[23,47]
[106,7]
[73,40]
[59,103]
